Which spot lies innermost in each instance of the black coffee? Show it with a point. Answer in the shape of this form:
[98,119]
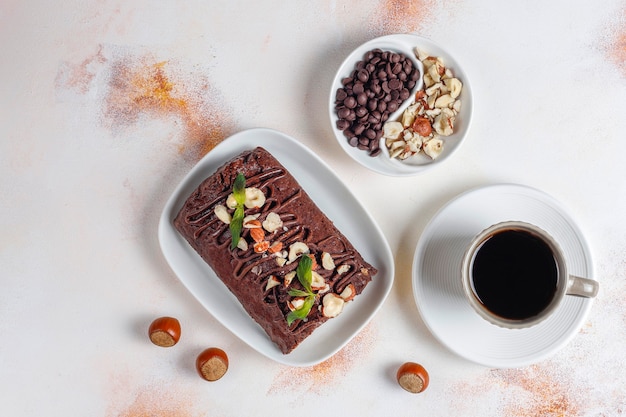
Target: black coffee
[514,274]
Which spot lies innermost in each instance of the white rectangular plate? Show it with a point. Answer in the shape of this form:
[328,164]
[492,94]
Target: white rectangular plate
[332,197]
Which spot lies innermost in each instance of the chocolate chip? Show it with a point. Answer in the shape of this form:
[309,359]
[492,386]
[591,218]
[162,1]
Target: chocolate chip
[359,129]
[343,112]
[395,84]
[341,94]
[342,124]
[375,88]
[350,102]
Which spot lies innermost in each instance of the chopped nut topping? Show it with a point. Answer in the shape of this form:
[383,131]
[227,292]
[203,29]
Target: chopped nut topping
[254,198]
[327,261]
[251,222]
[332,305]
[289,277]
[242,244]
[258,235]
[261,247]
[297,249]
[272,282]
[431,116]
[272,222]
[317,281]
[275,248]
[348,293]
[222,213]
[343,269]
[295,303]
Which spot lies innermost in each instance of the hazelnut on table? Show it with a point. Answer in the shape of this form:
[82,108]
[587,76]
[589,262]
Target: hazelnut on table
[412,377]
[164,331]
[212,364]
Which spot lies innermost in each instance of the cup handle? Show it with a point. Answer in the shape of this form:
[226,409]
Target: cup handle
[582,287]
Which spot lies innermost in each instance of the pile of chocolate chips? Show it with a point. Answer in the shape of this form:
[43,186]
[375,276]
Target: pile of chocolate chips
[376,87]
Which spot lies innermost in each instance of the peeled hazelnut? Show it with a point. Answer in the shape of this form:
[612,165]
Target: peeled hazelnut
[327,261]
[272,222]
[289,277]
[164,331]
[254,198]
[296,249]
[412,377]
[212,364]
[222,213]
[272,282]
[332,305]
[317,281]
[348,293]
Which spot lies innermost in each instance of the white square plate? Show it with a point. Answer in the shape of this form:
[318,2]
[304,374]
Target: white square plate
[332,197]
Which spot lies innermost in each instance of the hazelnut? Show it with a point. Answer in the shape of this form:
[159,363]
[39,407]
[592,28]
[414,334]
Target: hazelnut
[412,377]
[332,305]
[164,331]
[348,293]
[212,364]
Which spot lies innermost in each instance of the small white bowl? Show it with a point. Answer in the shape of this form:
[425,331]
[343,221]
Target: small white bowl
[383,164]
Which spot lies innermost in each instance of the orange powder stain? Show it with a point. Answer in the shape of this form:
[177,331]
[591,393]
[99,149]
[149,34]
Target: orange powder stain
[403,16]
[319,378]
[615,46]
[157,403]
[78,77]
[141,87]
[549,395]
[537,390]
[617,52]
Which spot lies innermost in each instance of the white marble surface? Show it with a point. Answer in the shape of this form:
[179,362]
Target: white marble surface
[91,146]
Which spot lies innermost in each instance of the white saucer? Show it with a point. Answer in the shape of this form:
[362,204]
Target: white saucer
[439,293]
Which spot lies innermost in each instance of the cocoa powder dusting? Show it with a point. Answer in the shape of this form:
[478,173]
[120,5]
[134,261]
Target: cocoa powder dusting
[615,47]
[402,16]
[319,378]
[545,390]
[549,396]
[141,86]
[78,77]
[157,403]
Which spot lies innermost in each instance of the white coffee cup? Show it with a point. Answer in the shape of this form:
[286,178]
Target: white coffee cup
[515,275]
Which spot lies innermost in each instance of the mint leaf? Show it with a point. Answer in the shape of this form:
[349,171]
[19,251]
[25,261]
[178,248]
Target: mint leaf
[236,224]
[297,293]
[305,276]
[303,311]
[304,273]
[239,189]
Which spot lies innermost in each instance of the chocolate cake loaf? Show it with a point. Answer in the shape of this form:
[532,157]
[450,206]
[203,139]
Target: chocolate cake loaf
[277,252]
